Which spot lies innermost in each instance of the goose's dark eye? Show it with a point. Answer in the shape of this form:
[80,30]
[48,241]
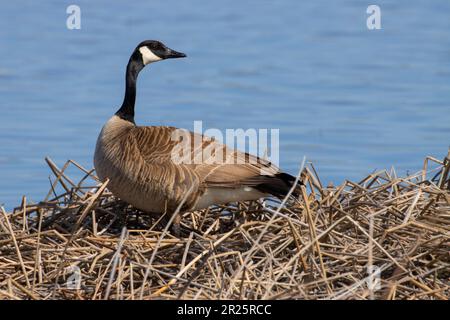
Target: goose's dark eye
[157,46]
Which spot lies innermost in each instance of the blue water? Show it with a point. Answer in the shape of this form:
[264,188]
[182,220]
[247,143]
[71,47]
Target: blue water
[350,99]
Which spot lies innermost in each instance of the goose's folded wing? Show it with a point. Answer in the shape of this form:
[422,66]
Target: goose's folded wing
[197,156]
[155,144]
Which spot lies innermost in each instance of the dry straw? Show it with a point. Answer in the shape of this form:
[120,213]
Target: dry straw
[385,237]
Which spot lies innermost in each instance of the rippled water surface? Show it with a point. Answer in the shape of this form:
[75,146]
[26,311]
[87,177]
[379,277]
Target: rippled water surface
[349,99]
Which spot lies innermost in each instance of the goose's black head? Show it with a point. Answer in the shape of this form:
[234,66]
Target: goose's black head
[152,50]
[146,52]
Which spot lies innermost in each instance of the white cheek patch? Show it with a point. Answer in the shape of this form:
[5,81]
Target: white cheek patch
[148,56]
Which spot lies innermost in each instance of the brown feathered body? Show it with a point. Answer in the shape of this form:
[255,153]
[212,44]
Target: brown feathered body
[146,169]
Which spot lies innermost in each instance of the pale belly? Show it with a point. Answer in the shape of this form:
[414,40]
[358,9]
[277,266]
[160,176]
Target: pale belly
[225,195]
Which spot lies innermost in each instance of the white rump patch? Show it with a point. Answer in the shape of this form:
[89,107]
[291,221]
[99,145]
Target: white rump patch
[148,56]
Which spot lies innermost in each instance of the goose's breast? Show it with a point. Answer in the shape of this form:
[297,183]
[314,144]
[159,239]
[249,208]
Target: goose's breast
[128,177]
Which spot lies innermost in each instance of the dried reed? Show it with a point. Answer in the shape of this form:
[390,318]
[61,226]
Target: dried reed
[385,237]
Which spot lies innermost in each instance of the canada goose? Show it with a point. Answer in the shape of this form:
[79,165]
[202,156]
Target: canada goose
[138,159]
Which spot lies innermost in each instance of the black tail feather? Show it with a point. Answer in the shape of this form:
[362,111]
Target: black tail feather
[279,185]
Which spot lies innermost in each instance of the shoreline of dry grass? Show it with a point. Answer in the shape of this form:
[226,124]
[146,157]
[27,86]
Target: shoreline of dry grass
[316,247]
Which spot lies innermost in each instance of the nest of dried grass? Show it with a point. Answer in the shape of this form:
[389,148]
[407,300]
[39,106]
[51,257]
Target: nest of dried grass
[385,237]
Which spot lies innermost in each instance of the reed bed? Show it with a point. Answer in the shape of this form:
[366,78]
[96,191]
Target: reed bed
[384,237]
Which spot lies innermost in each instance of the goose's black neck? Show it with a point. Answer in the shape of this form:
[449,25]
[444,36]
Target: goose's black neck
[134,66]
